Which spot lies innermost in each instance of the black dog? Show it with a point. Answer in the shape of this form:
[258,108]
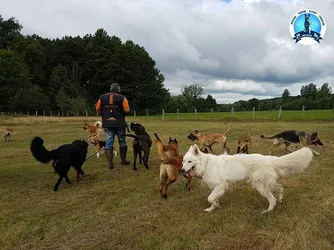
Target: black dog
[292,136]
[63,157]
[142,143]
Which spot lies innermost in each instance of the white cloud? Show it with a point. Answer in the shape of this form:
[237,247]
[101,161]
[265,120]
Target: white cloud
[208,42]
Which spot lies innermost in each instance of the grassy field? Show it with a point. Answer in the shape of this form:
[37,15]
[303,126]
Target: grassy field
[308,115]
[121,209]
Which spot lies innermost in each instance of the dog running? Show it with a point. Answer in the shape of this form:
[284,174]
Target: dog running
[8,134]
[206,141]
[171,163]
[289,137]
[244,143]
[142,143]
[63,157]
[261,171]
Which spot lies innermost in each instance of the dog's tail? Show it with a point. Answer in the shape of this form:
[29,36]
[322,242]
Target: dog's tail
[39,152]
[98,124]
[294,163]
[131,135]
[228,128]
[160,147]
[270,137]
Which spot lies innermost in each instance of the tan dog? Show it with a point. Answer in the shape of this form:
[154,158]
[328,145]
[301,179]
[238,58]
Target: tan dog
[95,130]
[98,144]
[171,163]
[8,134]
[207,140]
[244,143]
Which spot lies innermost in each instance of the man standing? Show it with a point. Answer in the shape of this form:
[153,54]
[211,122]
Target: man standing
[112,107]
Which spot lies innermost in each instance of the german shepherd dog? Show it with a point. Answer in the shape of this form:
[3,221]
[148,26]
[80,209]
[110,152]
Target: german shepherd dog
[8,134]
[98,144]
[307,24]
[244,143]
[171,163]
[63,158]
[207,140]
[142,143]
[296,137]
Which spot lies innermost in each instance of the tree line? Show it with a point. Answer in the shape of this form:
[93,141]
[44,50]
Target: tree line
[70,73]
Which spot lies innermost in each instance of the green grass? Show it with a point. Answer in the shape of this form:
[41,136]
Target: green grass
[308,115]
[121,209]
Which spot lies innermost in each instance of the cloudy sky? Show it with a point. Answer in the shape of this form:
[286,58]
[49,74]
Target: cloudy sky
[234,49]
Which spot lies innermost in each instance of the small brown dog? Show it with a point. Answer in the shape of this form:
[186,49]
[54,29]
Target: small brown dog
[207,140]
[98,144]
[95,129]
[244,143]
[8,134]
[171,164]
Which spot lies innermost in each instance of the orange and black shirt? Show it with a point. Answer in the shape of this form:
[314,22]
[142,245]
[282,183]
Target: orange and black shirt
[111,107]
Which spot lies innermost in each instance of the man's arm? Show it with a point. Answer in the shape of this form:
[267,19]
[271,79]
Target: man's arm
[126,106]
[98,105]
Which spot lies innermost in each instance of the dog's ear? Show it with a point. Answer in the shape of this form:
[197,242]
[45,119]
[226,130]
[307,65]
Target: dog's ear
[170,139]
[196,131]
[316,133]
[195,149]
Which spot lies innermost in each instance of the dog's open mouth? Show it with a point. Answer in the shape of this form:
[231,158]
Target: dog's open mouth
[191,172]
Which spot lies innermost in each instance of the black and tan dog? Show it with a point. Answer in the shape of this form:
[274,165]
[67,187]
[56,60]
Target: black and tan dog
[244,143]
[98,144]
[207,140]
[142,143]
[289,137]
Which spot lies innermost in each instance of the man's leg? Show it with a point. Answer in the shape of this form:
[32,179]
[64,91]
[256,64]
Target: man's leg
[110,135]
[123,148]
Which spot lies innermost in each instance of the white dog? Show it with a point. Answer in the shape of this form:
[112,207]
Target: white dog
[261,171]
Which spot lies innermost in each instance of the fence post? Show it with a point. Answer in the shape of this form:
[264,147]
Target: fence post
[36,112]
[28,113]
[146,112]
[303,111]
[178,117]
[195,114]
[211,113]
[232,111]
[134,113]
[279,112]
[163,114]
[86,113]
[253,113]
[2,113]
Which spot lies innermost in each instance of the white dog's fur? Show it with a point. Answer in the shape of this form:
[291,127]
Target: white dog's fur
[261,171]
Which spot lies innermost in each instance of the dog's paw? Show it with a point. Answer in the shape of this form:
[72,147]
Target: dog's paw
[265,211]
[208,210]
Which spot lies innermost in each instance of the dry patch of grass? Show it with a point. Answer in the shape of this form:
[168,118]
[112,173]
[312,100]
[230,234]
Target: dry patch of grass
[121,209]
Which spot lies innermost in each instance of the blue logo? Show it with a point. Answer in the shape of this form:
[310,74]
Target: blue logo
[307,27]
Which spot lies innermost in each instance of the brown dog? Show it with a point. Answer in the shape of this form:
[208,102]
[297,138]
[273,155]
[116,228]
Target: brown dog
[244,143]
[95,130]
[170,166]
[207,140]
[8,134]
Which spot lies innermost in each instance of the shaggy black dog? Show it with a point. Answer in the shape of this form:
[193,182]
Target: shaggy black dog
[142,143]
[64,157]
